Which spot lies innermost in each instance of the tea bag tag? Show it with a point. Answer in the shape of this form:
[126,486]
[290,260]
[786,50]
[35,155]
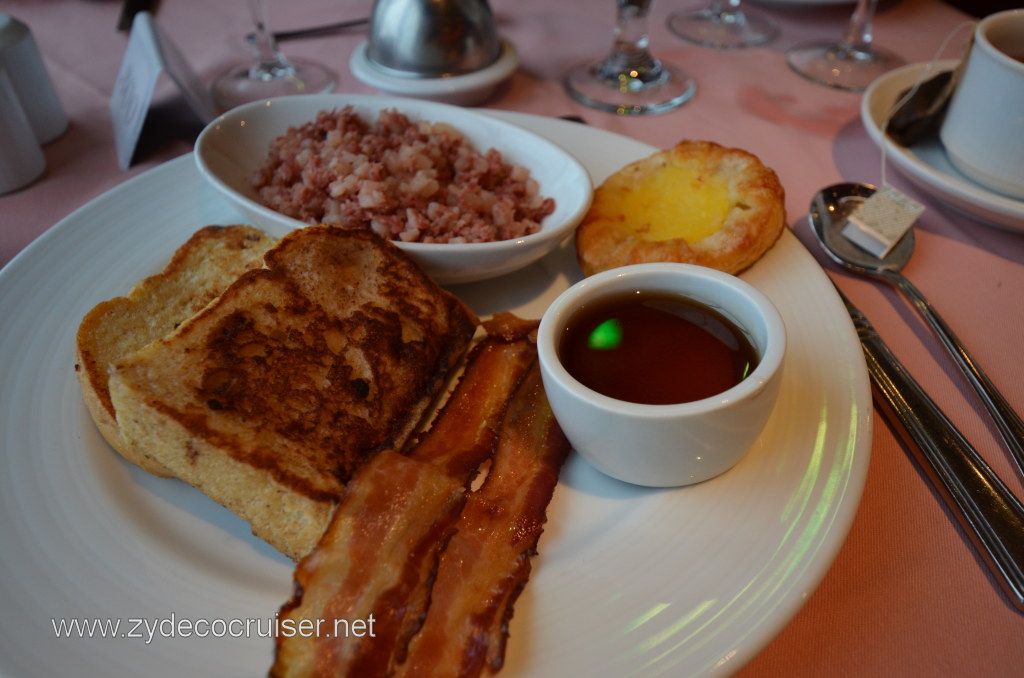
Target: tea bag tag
[879,222]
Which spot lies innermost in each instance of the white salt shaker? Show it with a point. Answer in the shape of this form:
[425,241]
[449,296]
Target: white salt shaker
[20,58]
[21,158]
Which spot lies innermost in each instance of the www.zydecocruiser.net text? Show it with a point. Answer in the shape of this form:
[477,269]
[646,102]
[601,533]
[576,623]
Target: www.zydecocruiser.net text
[148,629]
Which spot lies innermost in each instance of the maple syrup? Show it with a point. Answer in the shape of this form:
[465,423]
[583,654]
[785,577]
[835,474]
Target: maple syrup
[655,348]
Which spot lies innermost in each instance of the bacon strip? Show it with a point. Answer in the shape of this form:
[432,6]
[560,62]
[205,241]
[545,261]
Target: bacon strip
[466,430]
[487,562]
[394,518]
[511,327]
[380,552]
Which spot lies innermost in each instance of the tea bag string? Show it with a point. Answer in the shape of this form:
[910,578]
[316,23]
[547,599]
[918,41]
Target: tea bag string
[925,73]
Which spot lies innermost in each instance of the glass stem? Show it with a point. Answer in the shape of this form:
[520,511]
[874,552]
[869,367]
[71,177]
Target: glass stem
[859,31]
[629,59]
[269,62]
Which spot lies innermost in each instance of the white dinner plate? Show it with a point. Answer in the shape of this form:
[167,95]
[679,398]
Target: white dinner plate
[926,163]
[629,581]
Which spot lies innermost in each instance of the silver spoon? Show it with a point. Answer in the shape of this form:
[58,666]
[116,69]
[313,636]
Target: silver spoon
[829,210]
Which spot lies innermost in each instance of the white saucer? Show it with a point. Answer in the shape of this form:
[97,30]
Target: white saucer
[461,90]
[926,163]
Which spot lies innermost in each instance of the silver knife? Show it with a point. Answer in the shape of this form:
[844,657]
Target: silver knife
[990,514]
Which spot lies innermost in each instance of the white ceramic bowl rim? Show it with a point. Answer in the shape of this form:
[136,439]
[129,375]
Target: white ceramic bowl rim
[563,307]
[546,232]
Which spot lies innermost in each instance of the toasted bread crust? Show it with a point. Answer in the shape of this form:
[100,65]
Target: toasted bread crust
[607,237]
[270,397]
[199,271]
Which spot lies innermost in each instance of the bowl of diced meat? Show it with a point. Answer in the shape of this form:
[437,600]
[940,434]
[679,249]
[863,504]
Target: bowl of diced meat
[467,195]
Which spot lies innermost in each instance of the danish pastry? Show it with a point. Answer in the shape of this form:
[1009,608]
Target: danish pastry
[697,202]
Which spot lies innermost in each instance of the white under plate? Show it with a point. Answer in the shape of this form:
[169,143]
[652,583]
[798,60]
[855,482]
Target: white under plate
[468,89]
[629,581]
[926,163]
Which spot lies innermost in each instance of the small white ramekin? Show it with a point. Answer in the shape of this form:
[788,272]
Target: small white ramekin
[666,445]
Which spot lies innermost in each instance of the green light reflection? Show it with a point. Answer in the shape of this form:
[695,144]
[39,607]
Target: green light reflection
[646,617]
[670,632]
[606,336]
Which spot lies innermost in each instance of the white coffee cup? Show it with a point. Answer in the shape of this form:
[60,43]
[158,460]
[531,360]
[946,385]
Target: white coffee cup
[983,131]
[21,158]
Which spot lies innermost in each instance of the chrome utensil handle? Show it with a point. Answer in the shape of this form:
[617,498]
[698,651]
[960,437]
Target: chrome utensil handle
[992,517]
[314,31]
[1009,423]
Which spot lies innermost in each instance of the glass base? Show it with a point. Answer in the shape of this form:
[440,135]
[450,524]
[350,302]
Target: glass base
[842,66]
[627,94]
[723,30]
[247,82]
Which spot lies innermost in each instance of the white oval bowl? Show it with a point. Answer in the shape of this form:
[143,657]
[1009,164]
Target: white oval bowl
[666,445]
[233,145]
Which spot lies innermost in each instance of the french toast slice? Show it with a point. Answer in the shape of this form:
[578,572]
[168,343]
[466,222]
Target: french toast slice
[199,271]
[272,396]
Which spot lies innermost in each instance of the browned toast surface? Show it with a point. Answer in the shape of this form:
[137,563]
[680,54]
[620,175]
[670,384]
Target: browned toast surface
[274,394]
[199,271]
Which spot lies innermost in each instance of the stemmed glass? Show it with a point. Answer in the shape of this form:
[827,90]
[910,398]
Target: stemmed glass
[629,80]
[853,63]
[269,73]
[723,25]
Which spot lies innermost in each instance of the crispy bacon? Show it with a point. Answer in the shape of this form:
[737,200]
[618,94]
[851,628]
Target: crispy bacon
[510,327]
[380,552]
[487,562]
[381,546]
[465,432]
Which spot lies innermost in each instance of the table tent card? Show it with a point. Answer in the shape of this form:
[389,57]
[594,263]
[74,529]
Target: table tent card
[149,54]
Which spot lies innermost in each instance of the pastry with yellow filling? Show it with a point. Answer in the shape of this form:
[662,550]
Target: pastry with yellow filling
[697,202]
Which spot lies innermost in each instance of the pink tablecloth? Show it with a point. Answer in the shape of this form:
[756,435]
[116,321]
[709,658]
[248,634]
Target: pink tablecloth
[906,595]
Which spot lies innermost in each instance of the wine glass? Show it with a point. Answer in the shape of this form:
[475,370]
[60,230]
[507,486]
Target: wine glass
[629,81]
[723,25]
[853,62]
[269,73]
